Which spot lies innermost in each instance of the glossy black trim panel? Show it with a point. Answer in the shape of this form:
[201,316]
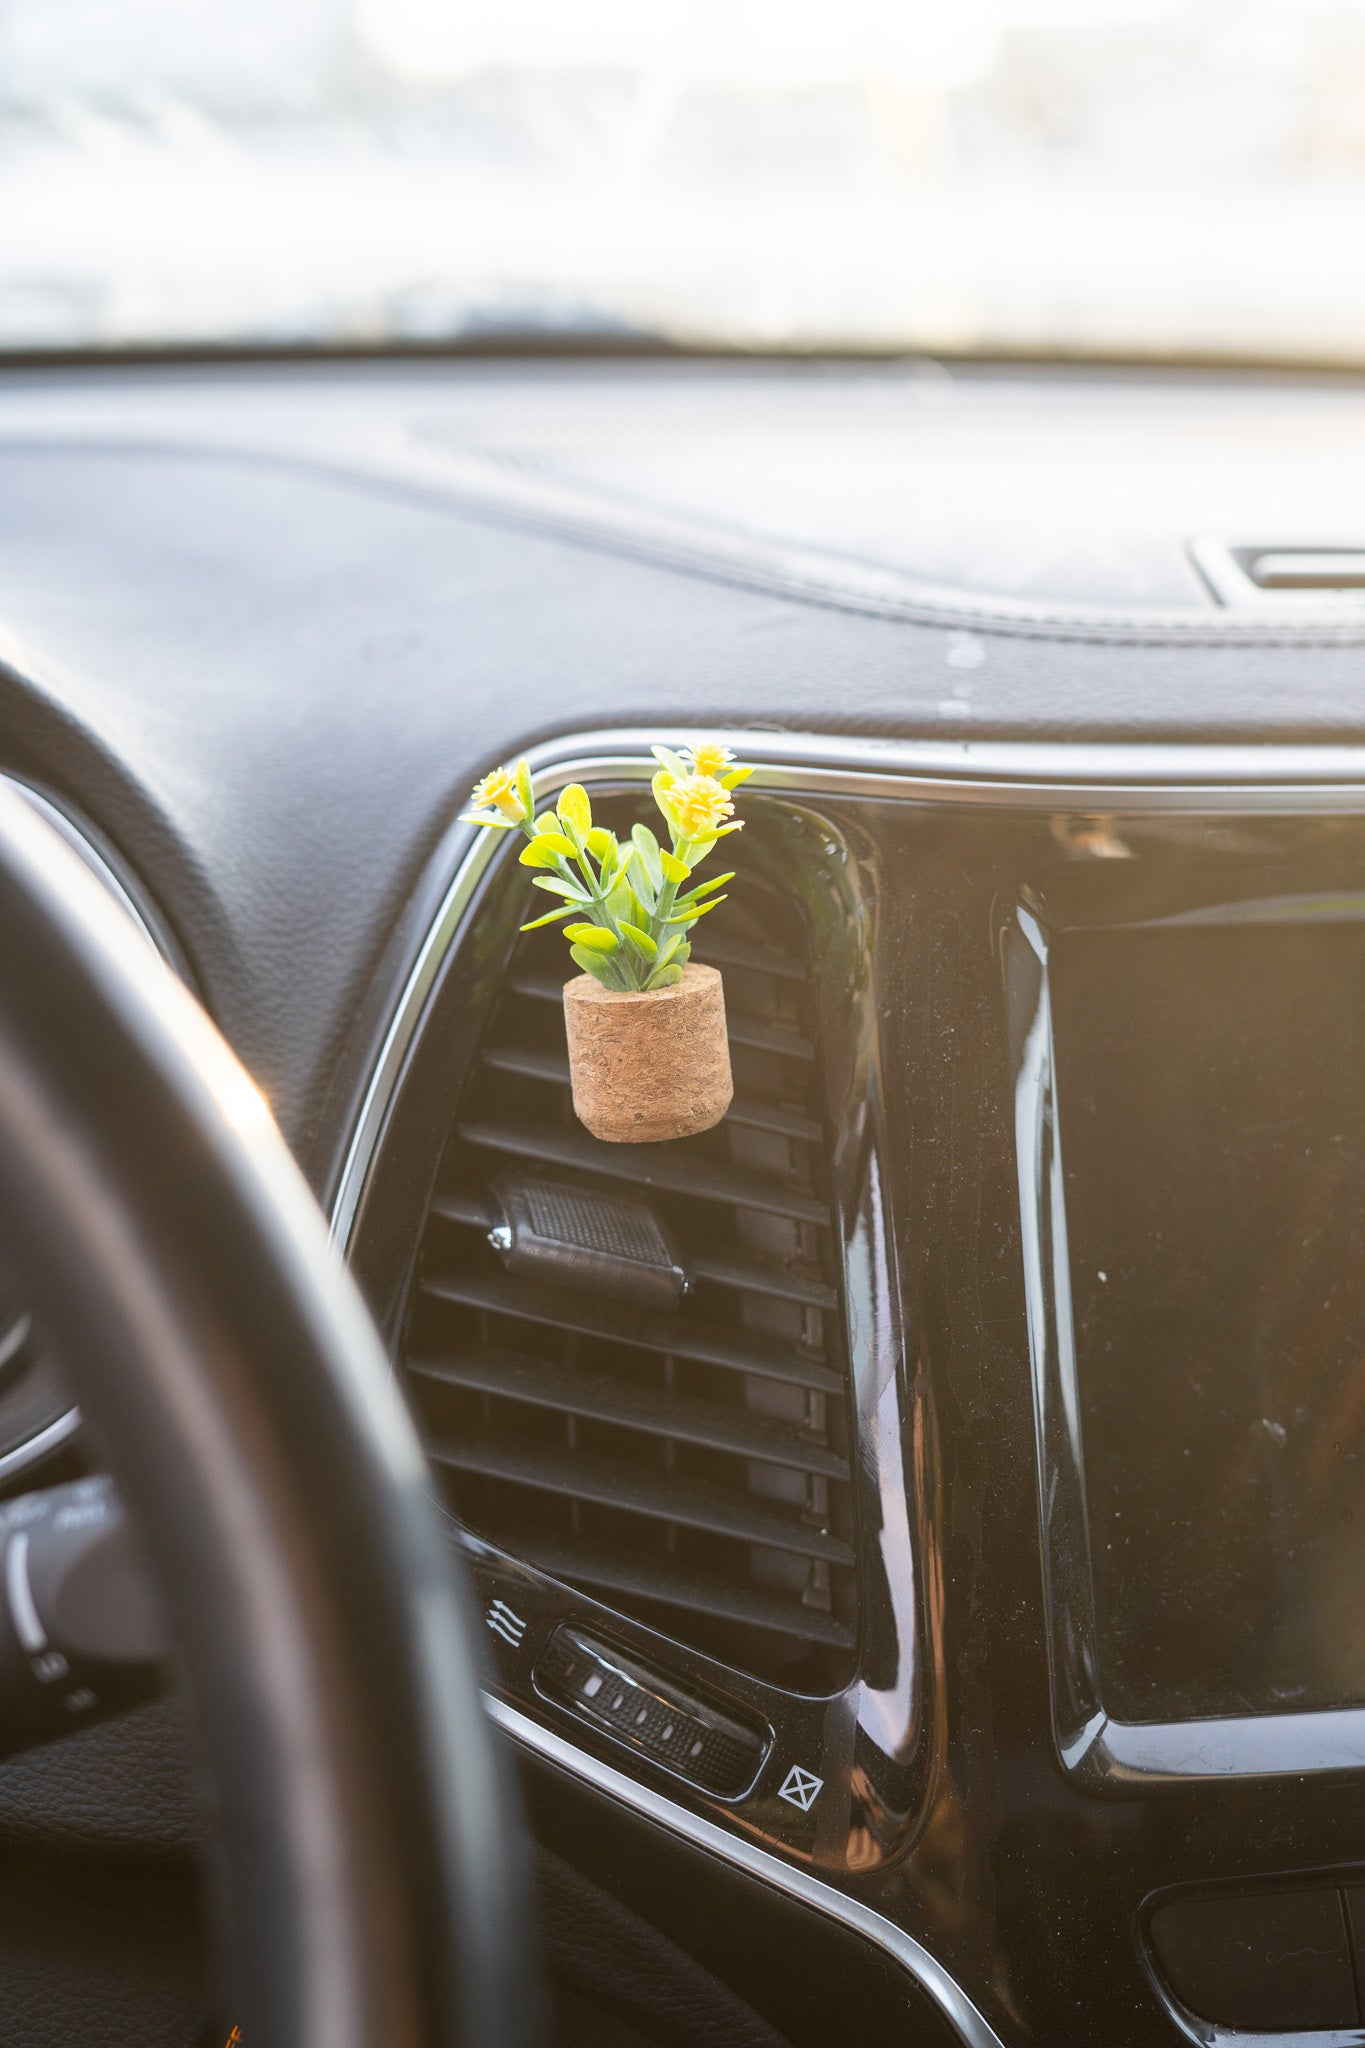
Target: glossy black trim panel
[1102,1753]
[972,2029]
[1011,1879]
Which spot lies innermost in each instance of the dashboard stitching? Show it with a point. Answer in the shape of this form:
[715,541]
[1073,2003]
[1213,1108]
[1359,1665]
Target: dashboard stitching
[522,505]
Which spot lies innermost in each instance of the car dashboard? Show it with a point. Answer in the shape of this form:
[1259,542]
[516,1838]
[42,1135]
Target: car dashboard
[943,1616]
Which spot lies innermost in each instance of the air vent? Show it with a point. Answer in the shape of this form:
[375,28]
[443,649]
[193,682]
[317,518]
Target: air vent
[1319,574]
[687,1462]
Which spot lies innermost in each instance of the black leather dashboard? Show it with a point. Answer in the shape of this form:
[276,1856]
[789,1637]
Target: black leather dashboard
[263,641]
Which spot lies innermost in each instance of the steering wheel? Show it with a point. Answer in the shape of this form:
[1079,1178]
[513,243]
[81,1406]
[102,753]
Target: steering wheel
[369,1849]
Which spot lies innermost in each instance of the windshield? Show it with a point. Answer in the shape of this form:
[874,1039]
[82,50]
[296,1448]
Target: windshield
[1167,178]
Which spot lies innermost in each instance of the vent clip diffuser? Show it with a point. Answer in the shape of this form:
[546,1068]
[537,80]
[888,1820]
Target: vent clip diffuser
[565,1236]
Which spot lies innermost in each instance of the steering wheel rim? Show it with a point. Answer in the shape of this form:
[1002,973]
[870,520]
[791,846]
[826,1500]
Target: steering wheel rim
[369,1851]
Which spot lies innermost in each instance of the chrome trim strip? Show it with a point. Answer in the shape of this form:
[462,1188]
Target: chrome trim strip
[22,1611]
[1025,775]
[49,1439]
[970,2026]
[1195,779]
[93,858]
[1235,590]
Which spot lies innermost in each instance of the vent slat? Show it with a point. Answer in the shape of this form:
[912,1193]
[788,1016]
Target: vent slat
[647,1578]
[743,1029]
[756,1276]
[672,1167]
[738,1351]
[534,1065]
[765,1037]
[717,949]
[691,1467]
[548,1384]
[464,1205]
[657,1495]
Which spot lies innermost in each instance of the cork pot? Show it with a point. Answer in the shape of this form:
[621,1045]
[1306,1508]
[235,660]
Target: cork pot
[652,1066]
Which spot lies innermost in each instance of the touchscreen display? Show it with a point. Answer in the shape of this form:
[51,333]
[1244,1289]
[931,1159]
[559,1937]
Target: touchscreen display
[1211,1114]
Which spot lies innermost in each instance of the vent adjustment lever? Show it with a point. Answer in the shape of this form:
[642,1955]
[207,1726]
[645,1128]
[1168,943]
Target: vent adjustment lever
[567,1236]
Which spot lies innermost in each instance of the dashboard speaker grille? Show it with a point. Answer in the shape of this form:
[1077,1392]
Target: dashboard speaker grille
[688,1464]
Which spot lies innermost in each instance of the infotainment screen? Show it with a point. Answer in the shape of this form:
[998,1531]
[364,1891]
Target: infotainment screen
[1210,1093]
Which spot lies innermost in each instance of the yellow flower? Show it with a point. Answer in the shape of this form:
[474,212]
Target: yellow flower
[699,804]
[498,792]
[710,758]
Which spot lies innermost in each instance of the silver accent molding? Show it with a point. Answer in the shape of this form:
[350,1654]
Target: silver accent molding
[1024,775]
[1221,567]
[971,2026]
[41,1444]
[1197,779]
[22,1611]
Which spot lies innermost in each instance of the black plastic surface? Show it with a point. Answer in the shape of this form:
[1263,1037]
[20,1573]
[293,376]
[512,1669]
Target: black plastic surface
[1267,1962]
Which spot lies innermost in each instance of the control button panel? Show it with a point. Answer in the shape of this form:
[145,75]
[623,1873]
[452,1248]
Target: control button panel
[651,1714]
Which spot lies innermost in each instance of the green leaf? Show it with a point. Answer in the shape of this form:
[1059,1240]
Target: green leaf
[575,810]
[544,851]
[694,911]
[675,765]
[528,802]
[666,952]
[621,901]
[558,888]
[594,936]
[701,847]
[499,824]
[599,842]
[546,822]
[595,964]
[735,825]
[647,846]
[661,785]
[735,776]
[705,888]
[675,870]
[664,977]
[550,917]
[615,865]
[639,938]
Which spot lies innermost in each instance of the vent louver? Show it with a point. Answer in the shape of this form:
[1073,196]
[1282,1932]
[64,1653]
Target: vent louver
[690,1465]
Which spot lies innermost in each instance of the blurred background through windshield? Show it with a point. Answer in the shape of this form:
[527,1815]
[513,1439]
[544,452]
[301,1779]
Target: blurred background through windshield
[1163,177]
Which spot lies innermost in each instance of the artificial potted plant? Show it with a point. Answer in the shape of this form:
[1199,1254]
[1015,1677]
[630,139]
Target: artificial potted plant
[648,1053]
